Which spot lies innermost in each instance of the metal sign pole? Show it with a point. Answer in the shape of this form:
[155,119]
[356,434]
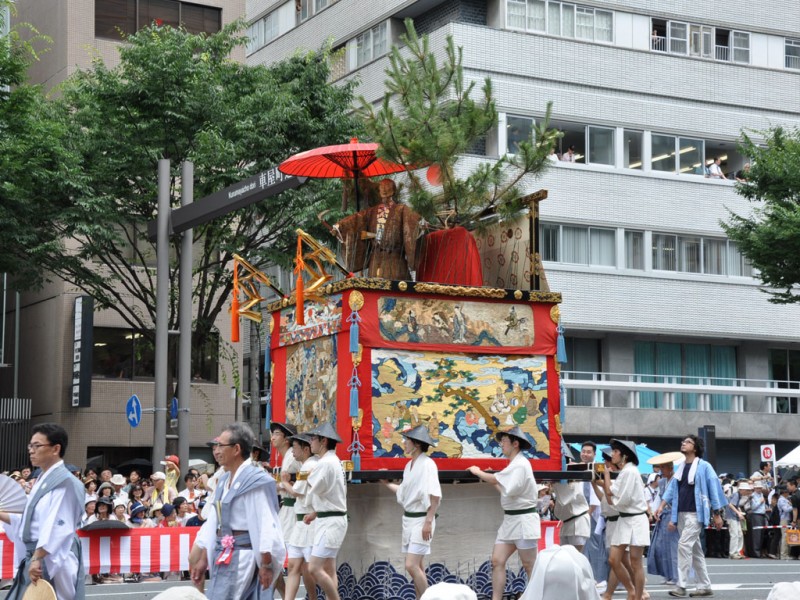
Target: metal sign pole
[185,323]
[162,306]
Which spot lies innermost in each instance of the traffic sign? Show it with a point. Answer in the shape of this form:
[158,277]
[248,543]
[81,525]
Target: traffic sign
[768,452]
[133,411]
[173,408]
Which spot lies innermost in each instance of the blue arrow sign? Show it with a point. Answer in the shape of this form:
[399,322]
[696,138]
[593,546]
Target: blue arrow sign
[133,411]
[173,408]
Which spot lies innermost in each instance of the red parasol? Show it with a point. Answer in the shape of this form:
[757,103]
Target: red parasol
[349,161]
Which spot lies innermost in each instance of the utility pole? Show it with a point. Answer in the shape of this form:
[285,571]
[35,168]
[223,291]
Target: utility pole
[162,305]
[185,324]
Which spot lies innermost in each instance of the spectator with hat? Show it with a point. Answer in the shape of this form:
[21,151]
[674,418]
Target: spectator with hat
[521,528]
[301,539]
[662,558]
[632,531]
[173,473]
[734,518]
[161,493]
[286,466]
[785,513]
[695,494]
[106,490]
[328,495]
[119,483]
[420,495]
[756,515]
[120,505]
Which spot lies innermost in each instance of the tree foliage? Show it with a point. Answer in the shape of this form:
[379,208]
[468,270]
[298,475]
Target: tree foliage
[770,236]
[430,116]
[32,162]
[180,96]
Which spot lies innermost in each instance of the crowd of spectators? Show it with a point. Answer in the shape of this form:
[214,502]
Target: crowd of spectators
[138,499]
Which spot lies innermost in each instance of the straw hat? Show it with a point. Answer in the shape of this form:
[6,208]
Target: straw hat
[287,428]
[41,591]
[517,433]
[325,430]
[627,447]
[118,480]
[666,458]
[419,434]
[301,437]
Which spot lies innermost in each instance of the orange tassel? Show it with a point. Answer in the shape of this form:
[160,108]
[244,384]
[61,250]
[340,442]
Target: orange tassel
[299,295]
[235,304]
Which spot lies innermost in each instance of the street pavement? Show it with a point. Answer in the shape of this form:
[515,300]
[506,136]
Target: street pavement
[750,579]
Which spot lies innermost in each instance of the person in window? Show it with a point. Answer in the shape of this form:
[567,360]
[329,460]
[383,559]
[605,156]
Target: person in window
[569,155]
[715,170]
[553,157]
[743,175]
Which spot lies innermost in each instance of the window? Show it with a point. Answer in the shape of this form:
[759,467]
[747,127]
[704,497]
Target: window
[262,32]
[689,153]
[677,38]
[127,354]
[714,252]
[584,361]
[701,41]
[114,18]
[663,152]
[561,19]
[117,18]
[784,371]
[634,250]
[372,44]
[792,50]
[663,362]
[549,245]
[738,264]
[579,245]
[601,146]
[665,252]
[741,47]
[632,150]
[518,129]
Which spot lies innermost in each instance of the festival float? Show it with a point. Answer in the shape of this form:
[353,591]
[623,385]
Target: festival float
[467,343]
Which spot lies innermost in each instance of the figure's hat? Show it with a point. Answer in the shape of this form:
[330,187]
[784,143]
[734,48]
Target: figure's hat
[419,434]
[325,430]
[286,428]
[627,447]
[516,432]
[561,572]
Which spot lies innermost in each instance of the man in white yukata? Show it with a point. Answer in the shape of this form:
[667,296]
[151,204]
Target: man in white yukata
[521,527]
[632,530]
[420,495]
[242,539]
[329,500]
[286,466]
[46,528]
[300,540]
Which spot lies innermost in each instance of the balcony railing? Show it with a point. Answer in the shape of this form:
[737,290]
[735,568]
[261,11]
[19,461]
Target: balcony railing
[792,62]
[658,43]
[680,393]
[722,52]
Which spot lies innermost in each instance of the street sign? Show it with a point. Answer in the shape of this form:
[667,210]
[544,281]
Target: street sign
[243,193]
[133,411]
[768,452]
[173,408]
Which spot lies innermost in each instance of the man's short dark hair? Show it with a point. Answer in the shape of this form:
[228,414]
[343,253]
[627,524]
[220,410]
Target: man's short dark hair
[764,463]
[592,444]
[189,476]
[55,434]
[699,446]
[240,433]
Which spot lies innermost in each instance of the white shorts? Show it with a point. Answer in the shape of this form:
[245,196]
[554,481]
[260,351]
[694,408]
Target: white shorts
[520,544]
[418,549]
[633,531]
[299,552]
[322,551]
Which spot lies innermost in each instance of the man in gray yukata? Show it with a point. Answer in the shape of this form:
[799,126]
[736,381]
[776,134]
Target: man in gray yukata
[242,539]
[47,526]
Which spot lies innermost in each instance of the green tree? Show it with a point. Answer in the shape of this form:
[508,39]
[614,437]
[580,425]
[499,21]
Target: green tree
[32,160]
[429,115]
[180,96]
[770,236]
